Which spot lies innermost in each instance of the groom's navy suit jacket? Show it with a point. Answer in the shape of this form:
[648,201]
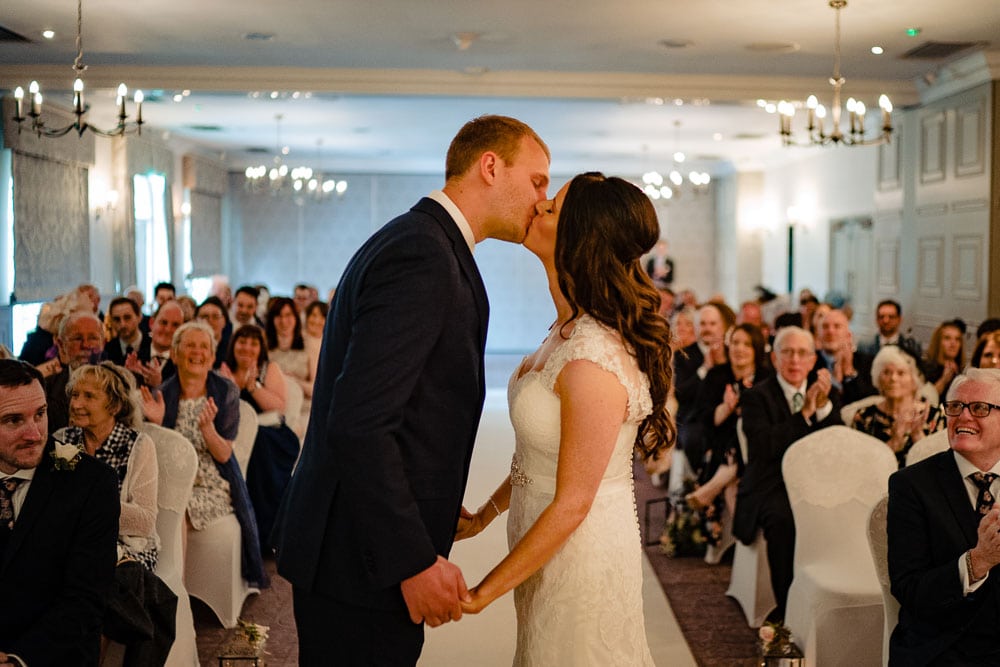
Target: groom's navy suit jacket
[931,523]
[59,564]
[398,396]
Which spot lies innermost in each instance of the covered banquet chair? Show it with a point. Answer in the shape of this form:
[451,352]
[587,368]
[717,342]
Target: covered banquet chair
[834,478]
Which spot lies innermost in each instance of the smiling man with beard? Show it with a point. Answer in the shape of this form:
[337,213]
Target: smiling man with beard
[944,537]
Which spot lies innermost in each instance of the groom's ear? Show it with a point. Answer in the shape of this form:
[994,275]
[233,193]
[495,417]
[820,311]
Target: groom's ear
[489,163]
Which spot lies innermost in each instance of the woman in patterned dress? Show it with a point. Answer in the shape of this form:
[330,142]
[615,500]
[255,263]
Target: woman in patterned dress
[102,417]
[204,407]
[901,418]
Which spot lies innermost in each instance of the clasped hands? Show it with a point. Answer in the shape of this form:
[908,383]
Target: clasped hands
[818,393]
[439,595]
[986,553]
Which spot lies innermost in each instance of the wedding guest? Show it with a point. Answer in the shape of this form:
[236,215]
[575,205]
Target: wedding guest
[944,537]
[204,407]
[80,341]
[245,306]
[987,351]
[683,327]
[722,465]
[189,307]
[945,356]
[793,403]
[40,345]
[262,385]
[286,346]
[152,364]
[986,326]
[849,369]
[164,292]
[888,317]
[901,418]
[58,523]
[312,335]
[213,312]
[125,316]
[304,295]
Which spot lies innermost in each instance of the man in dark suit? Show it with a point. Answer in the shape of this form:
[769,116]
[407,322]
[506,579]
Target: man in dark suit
[58,534]
[850,370]
[370,515]
[151,363]
[125,318]
[944,537]
[889,317]
[776,413]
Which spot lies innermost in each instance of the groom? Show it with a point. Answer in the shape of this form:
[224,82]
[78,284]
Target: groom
[370,514]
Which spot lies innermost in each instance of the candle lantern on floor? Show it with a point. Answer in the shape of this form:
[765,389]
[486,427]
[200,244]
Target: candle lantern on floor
[246,648]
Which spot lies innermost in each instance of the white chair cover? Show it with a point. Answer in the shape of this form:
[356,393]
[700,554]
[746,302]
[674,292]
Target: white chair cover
[213,571]
[878,542]
[848,411]
[177,464]
[834,478]
[928,446]
[245,435]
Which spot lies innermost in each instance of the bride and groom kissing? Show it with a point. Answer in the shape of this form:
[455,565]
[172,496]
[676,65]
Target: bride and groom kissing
[370,514]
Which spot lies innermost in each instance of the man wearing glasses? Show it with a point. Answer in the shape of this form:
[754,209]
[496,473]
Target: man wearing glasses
[944,537]
[793,403]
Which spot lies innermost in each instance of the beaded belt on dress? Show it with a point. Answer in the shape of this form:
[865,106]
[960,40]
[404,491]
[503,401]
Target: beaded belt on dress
[518,478]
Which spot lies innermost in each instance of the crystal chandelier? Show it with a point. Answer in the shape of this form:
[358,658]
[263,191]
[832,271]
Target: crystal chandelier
[303,182]
[816,128]
[79,108]
[657,187]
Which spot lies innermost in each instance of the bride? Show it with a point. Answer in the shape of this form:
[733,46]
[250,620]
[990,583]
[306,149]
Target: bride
[595,390]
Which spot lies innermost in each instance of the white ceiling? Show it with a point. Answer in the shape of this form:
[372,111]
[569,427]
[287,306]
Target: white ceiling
[384,86]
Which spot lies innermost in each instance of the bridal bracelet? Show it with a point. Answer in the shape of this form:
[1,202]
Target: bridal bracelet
[494,504]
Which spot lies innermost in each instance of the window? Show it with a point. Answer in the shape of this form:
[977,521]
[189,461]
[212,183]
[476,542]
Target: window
[152,256]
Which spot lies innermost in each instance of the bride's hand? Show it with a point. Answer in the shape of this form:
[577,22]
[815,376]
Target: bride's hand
[477,604]
[469,525]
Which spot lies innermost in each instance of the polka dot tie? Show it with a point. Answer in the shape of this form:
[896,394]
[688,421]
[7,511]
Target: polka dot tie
[798,400]
[983,480]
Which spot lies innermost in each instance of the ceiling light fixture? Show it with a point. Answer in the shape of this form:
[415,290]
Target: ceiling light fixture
[302,182]
[657,187]
[816,128]
[79,108]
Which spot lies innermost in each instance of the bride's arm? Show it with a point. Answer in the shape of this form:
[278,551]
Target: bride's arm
[495,505]
[593,404]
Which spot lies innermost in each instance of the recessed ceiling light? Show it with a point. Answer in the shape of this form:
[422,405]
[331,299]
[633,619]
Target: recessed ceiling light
[178,98]
[878,50]
[48,34]
[678,102]
[717,136]
[274,94]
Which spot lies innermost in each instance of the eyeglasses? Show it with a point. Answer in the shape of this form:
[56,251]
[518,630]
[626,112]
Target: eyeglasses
[801,353]
[976,408]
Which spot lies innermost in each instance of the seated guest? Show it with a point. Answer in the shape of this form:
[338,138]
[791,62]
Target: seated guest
[40,345]
[58,522]
[888,317]
[245,306]
[285,345]
[204,407]
[304,295]
[151,364]
[943,537]
[214,313]
[901,418]
[125,317]
[849,370]
[188,306]
[262,385]
[776,413]
[103,416]
[808,303]
[80,341]
[945,355]
[986,326]
[987,351]
[691,365]
[312,334]
[164,292]
[682,326]
[720,395]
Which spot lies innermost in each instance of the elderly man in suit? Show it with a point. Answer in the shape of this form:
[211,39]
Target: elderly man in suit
[944,537]
[776,413]
[58,534]
[370,515]
[80,341]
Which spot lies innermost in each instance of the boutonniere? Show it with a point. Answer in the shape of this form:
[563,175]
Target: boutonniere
[65,456]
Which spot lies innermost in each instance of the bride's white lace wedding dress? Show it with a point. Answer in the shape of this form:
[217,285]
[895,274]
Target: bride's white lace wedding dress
[584,607]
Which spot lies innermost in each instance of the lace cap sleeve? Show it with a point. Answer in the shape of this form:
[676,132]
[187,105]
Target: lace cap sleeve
[592,341]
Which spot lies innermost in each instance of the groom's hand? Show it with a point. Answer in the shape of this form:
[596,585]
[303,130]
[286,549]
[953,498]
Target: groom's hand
[435,595]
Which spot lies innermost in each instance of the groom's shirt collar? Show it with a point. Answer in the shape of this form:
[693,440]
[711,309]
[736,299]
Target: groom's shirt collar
[456,215]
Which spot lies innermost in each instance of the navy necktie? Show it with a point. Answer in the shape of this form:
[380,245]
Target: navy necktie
[985,499]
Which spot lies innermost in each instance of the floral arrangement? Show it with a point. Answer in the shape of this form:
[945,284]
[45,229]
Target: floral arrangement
[684,533]
[776,640]
[248,640]
[65,456]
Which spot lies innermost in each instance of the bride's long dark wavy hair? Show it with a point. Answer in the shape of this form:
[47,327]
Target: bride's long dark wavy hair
[605,226]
